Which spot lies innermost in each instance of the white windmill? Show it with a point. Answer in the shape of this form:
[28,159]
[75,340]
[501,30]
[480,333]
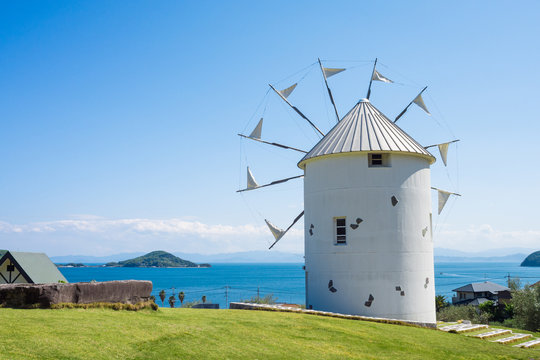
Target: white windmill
[367,213]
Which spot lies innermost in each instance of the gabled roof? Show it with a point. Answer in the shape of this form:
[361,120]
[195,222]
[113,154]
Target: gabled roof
[365,128]
[486,286]
[36,266]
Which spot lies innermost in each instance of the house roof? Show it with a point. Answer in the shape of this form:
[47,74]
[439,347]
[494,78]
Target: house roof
[485,286]
[37,266]
[478,301]
[363,129]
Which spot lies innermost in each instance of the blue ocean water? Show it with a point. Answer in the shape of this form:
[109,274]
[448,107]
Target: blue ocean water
[223,283]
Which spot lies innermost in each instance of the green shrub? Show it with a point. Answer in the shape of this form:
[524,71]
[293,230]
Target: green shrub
[267,299]
[463,312]
[190,304]
[440,302]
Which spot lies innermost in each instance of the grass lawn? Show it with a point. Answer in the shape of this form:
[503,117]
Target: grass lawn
[226,334]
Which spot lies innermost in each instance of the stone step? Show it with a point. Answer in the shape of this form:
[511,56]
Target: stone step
[471,327]
[493,333]
[513,338]
[529,344]
[459,328]
[451,327]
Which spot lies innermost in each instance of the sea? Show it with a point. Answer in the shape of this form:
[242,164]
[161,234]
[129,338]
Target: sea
[224,283]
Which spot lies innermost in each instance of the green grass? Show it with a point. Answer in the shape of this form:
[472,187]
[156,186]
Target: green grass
[226,334]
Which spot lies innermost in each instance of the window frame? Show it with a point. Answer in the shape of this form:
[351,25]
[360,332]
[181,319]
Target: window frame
[341,238]
[384,159]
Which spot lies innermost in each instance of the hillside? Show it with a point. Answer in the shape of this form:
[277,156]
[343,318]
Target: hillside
[532,260]
[227,334]
[156,259]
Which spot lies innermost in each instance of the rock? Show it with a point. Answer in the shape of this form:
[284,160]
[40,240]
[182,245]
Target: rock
[44,295]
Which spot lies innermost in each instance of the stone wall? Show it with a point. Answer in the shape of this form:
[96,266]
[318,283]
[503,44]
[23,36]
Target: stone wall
[43,295]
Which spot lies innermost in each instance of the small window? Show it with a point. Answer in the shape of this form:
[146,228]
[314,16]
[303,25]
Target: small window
[379,160]
[341,230]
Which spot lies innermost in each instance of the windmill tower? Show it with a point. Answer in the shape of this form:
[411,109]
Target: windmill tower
[367,204]
[367,213]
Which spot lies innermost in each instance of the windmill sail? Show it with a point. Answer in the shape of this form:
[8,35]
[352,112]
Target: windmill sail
[251,182]
[331,71]
[277,232]
[375,75]
[273,144]
[286,92]
[420,102]
[265,185]
[443,197]
[378,77]
[256,133]
[327,72]
[443,150]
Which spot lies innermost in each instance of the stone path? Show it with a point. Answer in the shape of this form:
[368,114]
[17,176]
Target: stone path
[504,336]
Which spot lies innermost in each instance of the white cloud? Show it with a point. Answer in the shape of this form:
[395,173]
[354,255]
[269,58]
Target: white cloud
[98,236]
[92,235]
[483,237]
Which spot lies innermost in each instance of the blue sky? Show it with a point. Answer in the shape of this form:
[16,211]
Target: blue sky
[118,120]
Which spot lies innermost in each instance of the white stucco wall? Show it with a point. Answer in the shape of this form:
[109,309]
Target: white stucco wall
[385,251]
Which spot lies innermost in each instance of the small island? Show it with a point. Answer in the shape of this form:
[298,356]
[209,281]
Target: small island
[160,259]
[532,260]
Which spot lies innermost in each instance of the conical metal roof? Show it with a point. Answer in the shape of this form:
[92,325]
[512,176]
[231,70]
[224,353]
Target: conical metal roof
[365,128]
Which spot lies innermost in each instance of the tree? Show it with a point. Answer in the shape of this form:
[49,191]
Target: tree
[514,283]
[172,300]
[440,302]
[203,299]
[527,307]
[488,308]
[162,296]
[181,297]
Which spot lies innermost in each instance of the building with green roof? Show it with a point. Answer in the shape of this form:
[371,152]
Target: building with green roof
[28,268]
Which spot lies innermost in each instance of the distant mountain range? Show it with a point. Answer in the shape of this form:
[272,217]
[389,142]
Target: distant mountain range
[514,255]
[239,257]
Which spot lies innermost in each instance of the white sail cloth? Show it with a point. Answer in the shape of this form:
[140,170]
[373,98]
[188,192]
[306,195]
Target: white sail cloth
[420,102]
[286,92]
[256,133]
[378,77]
[443,198]
[251,182]
[443,150]
[277,232]
[331,71]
